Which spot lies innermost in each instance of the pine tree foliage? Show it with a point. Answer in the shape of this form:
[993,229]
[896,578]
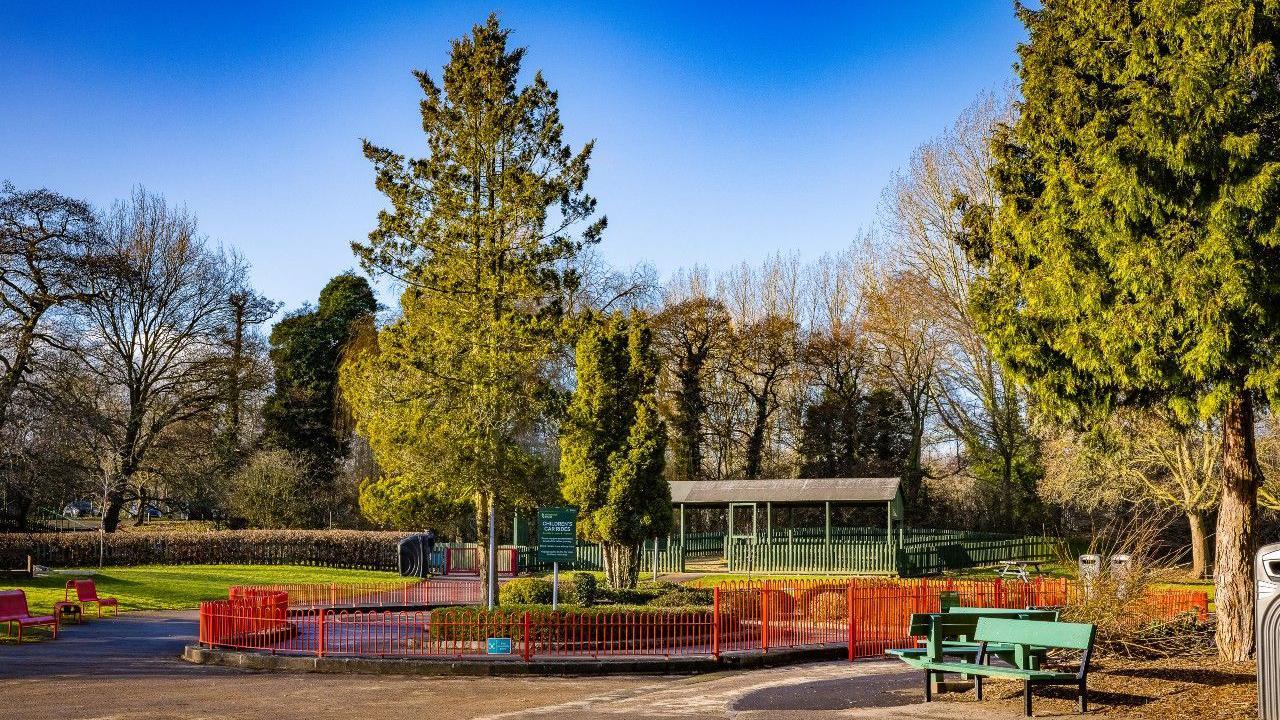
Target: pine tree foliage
[454,395]
[1133,255]
[613,445]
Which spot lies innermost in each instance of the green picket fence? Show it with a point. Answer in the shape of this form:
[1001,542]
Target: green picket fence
[670,558]
[919,560]
[711,544]
[925,552]
[588,558]
[855,558]
[699,546]
[879,558]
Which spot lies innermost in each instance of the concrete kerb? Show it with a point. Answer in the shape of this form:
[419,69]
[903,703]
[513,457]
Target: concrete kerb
[495,666]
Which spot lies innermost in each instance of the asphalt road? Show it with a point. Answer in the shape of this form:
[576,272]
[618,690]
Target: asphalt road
[129,668]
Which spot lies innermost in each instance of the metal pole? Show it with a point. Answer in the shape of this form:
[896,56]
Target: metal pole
[655,559]
[492,570]
[555,583]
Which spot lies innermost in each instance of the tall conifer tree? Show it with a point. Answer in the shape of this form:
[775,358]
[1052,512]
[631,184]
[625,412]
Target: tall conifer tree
[613,445]
[1135,253]
[481,232]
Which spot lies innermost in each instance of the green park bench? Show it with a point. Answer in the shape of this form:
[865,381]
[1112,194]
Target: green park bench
[952,632]
[1028,638]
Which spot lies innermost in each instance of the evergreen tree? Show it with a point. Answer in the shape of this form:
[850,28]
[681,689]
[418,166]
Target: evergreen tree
[613,445]
[866,435]
[456,393]
[1132,254]
[692,334]
[303,415]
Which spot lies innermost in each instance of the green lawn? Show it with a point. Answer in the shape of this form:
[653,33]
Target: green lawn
[175,587]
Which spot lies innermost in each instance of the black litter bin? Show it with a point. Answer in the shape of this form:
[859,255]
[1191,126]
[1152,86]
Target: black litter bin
[413,556]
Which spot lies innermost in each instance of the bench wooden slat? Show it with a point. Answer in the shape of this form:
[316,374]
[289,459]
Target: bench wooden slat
[997,671]
[1069,636]
[1048,615]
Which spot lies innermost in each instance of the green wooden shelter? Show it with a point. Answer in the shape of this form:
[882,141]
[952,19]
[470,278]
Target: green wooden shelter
[761,497]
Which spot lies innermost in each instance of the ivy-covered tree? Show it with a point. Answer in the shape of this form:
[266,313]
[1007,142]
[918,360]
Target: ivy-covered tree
[613,444]
[1133,253]
[854,434]
[303,415]
[457,392]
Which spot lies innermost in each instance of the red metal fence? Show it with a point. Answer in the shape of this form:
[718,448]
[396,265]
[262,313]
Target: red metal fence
[866,616]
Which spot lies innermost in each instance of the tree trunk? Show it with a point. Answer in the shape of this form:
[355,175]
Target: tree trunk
[482,543]
[621,565]
[111,515]
[691,420]
[1237,516]
[1199,543]
[142,506]
[755,443]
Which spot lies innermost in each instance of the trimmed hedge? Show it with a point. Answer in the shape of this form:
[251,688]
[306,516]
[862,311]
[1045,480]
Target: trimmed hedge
[352,549]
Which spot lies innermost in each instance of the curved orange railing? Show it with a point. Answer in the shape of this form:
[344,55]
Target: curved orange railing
[867,616]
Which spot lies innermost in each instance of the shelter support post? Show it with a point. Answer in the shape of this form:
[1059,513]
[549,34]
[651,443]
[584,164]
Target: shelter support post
[827,524]
[768,522]
[681,524]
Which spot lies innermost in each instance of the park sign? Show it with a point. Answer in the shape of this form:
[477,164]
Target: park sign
[557,534]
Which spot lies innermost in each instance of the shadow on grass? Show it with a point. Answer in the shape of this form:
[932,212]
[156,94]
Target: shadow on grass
[30,636]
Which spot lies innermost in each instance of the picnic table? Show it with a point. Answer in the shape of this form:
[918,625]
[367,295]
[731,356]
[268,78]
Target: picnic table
[1029,640]
[1018,569]
[951,633]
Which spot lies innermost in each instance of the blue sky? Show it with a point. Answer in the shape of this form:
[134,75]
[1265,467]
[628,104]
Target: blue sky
[724,131]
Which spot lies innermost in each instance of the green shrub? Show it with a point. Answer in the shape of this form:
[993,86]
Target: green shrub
[525,591]
[354,549]
[585,589]
[681,596]
[632,596]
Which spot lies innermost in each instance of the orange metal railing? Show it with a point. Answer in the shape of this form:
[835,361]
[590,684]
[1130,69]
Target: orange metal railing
[868,616]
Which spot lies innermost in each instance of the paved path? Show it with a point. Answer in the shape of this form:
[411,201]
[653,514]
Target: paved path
[129,668]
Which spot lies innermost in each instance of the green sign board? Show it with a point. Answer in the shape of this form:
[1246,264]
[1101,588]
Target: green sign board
[498,646]
[557,534]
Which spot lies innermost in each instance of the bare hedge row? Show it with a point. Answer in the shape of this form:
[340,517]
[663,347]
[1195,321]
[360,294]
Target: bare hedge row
[353,549]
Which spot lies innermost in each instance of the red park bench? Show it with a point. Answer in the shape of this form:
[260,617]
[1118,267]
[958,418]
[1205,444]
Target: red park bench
[87,592]
[13,609]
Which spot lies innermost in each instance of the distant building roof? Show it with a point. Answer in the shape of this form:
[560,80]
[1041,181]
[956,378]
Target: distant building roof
[814,490]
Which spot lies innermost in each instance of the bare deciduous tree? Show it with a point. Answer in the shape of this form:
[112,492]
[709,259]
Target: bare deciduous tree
[154,336]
